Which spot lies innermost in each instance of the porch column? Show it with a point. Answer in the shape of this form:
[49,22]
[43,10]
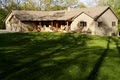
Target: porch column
[67,23]
[39,26]
[56,25]
[51,25]
[67,27]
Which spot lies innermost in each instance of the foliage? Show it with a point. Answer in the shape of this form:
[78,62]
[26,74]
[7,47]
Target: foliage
[3,14]
[56,7]
[119,26]
[38,4]
[28,5]
[59,56]
[81,5]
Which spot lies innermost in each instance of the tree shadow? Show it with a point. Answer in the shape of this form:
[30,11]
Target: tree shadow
[49,57]
[96,69]
[14,64]
[116,41]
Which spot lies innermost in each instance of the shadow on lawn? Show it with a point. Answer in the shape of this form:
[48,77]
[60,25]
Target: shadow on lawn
[40,57]
[24,60]
[117,41]
[95,72]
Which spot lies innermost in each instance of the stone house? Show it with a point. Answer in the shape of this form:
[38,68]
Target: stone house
[96,21]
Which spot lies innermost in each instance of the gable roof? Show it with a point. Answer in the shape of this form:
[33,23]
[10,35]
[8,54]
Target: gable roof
[82,13]
[104,12]
[58,15]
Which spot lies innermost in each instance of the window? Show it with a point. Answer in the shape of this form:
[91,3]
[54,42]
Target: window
[113,34]
[113,24]
[83,24]
[100,24]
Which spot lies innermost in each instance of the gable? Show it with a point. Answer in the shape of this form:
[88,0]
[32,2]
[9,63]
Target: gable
[108,12]
[107,19]
[83,17]
[108,16]
[9,16]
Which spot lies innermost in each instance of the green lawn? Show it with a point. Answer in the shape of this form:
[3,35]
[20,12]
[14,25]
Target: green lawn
[59,56]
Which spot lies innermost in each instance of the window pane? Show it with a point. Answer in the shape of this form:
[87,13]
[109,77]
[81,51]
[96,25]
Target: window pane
[83,24]
[100,24]
[113,24]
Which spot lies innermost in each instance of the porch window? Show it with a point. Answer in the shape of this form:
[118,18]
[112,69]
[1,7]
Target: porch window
[83,24]
[100,24]
[113,24]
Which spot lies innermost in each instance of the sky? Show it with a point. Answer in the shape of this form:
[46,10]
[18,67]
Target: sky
[84,1]
[89,3]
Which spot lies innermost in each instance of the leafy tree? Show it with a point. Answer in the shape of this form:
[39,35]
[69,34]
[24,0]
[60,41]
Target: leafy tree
[82,5]
[71,3]
[3,14]
[57,7]
[59,4]
[10,4]
[29,5]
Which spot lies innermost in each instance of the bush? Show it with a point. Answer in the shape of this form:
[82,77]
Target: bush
[119,27]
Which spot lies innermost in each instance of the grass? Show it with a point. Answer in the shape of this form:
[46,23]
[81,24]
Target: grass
[58,56]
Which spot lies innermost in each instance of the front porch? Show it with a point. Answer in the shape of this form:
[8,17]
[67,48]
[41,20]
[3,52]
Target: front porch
[53,26]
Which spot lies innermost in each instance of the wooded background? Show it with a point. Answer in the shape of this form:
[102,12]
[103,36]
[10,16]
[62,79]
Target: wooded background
[51,5]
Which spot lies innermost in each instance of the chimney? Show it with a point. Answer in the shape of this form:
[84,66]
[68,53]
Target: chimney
[69,8]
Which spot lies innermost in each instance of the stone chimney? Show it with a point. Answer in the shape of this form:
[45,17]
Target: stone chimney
[69,8]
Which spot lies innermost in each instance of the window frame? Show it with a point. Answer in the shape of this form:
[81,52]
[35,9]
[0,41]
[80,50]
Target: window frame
[100,23]
[83,24]
[113,24]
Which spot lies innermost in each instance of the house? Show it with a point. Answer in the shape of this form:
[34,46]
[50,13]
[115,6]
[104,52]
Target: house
[95,21]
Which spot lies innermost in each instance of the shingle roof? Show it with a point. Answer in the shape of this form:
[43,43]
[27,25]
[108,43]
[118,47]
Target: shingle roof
[58,15]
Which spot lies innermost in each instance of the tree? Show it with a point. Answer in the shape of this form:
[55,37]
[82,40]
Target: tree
[71,3]
[58,4]
[10,4]
[45,4]
[57,7]
[3,14]
[28,5]
[82,5]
